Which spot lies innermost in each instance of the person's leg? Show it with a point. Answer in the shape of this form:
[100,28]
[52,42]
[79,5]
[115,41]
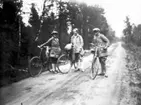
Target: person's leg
[71,58]
[103,65]
[52,64]
[55,65]
[80,62]
[76,61]
[102,62]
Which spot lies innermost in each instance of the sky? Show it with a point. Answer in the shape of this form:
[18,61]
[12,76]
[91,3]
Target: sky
[115,11]
[26,8]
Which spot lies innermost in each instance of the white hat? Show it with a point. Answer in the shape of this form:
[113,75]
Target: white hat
[75,30]
[54,32]
[96,30]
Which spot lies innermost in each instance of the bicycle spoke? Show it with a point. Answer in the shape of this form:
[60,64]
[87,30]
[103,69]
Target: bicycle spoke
[63,64]
[94,68]
[35,66]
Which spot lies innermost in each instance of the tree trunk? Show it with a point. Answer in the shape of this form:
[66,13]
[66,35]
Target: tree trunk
[85,35]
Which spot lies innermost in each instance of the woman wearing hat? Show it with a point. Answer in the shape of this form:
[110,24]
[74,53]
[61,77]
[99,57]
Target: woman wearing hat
[55,49]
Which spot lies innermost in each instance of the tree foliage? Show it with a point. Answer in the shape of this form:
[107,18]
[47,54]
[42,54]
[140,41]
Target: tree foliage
[128,30]
[9,26]
[137,35]
[66,14]
[132,33]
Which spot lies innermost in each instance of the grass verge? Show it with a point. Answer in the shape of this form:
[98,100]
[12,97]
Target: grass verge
[133,65]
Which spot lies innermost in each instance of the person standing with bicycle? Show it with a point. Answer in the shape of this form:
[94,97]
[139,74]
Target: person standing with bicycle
[77,48]
[100,40]
[55,50]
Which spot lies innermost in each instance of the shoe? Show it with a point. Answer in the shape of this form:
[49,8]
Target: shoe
[82,70]
[101,74]
[51,70]
[54,71]
[77,70]
[105,75]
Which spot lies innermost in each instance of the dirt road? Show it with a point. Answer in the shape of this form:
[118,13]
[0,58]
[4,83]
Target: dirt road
[75,88]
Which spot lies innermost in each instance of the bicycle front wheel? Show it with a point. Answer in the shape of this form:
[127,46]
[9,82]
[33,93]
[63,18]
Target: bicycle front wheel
[94,68]
[35,66]
[63,64]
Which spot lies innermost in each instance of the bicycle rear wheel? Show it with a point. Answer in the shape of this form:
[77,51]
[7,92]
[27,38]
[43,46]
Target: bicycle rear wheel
[35,66]
[94,68]
[63,64]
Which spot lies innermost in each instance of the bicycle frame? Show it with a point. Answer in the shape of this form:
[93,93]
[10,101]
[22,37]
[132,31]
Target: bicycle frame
[96,55]
[41,51]
[95,52]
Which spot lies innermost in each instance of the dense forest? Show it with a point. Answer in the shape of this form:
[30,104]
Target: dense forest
[18,41]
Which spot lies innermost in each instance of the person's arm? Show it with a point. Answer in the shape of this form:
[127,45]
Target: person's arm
[46,42]
[106,40]
[82,42]
[71,41]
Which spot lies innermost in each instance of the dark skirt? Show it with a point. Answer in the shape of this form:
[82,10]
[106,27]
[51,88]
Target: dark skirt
[53,60]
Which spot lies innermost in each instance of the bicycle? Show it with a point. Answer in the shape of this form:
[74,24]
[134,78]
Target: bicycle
[94,67]
[65,61]
[38,63]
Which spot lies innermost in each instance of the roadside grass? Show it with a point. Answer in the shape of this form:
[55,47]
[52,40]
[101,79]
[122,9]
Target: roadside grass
[133,59]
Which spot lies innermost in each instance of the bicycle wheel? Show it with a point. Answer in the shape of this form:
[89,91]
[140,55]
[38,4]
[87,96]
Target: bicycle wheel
[63,64]
[35,66]
[94,68]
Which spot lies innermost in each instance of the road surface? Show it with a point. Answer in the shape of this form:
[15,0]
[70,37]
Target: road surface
[75,88]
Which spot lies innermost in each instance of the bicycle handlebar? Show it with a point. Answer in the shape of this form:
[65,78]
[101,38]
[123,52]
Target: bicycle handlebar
[94,49]
[104,47]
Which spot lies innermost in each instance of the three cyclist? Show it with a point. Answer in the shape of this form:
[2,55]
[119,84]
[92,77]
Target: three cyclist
[100,40]
[77,49]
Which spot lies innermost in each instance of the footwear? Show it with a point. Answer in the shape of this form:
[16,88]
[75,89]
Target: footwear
[77,70]
[105,75]
[102,74]
[53,71]
[81,70]
[56,71]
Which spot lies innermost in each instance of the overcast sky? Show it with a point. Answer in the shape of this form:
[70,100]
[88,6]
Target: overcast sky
[115,11]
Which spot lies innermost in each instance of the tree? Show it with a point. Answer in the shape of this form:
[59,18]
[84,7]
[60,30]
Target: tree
[79,15]
[9,26]
[137,35]
[30,37]
[128,30]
